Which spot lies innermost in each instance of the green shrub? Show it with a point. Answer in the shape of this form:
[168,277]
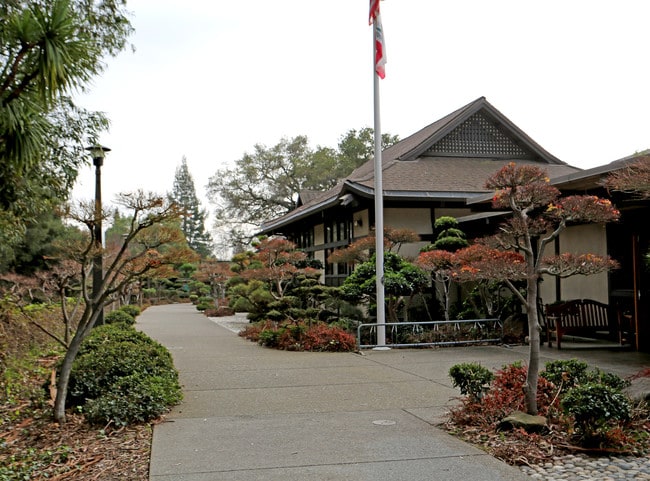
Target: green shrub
[133,399]
[270,337]
[204,306]
[572,372]
[131,310]
[471,378]
[594,407]
[119,316]
[608,379]
[122,375]
[566,373]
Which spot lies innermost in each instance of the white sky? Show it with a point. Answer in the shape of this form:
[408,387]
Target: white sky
[211,78]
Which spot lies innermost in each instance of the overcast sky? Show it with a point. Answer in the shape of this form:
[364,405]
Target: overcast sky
[211,78]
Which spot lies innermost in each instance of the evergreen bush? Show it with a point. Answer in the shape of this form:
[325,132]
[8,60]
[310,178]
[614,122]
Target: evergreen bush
[119,316]
[123,376]
[594,407]
[131,310]
[471,378]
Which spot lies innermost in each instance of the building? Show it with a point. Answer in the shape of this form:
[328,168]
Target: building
[441,171]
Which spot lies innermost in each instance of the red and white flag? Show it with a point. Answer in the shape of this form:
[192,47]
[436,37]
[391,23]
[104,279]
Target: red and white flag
[380,47]
[374,10]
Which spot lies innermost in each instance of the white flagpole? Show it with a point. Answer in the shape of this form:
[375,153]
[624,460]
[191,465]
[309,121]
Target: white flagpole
[379,206]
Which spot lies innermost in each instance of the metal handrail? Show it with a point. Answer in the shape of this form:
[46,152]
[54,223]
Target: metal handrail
[437,343]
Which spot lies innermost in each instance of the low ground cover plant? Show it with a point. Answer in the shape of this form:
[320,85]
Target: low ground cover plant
[586,410]
[300,336]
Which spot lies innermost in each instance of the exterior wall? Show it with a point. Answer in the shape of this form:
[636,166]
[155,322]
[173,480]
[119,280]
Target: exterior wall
[418,220]
[583,239]
[319,238]
[440,212]
[361,223]
[580,239]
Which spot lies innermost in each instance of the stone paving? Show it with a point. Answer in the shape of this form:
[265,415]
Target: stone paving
[248,407]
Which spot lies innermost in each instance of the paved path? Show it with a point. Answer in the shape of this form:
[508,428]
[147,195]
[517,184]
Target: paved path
[252,413]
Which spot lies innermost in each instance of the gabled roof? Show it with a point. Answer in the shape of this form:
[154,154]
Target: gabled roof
[449,159]
[590,178]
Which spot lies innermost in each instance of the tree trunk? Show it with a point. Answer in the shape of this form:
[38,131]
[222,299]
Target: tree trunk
[530,388]
[66,367]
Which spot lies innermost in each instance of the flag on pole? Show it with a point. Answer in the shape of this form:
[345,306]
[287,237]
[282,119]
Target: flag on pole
[374,11]
[380,47]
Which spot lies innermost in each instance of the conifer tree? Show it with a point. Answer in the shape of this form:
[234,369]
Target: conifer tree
[193,218]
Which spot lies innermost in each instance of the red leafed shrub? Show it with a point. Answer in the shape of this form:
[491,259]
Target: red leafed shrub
[323,337]
[506,394]
[252,331]
[300,336]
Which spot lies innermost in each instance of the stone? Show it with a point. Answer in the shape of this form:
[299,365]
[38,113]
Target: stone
[518,419]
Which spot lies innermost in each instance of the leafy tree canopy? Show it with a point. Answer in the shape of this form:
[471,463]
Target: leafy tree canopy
[49,49]
[266,183]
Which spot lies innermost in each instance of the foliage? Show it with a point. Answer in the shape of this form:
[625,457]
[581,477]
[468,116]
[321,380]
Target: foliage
[634,178]
[123,376]
[276,280]
[38,244]
[573,399]
[449,237]
[594,406]
[569,373]
[539,215]
[471,378]
[565,373]
[362,249]
[119,316]
[505,395]
[300,336]
[402,280]
[265,183]
[215,274]
[192,217]
[152,244]
[131,310]
[49,49]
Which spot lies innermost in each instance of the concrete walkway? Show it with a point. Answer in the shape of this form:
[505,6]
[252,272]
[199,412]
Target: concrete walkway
[253,413]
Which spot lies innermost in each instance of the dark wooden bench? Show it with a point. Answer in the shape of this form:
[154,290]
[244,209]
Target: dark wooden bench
[581,317]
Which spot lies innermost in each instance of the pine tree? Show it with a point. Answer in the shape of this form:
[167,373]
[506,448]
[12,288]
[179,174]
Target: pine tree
[193,219]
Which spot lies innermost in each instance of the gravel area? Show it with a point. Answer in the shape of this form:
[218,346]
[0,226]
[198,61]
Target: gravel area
[581,468]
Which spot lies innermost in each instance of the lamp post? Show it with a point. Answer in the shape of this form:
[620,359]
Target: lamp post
[98,152]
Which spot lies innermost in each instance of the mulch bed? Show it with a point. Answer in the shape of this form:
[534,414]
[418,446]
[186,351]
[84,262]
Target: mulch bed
[38,449]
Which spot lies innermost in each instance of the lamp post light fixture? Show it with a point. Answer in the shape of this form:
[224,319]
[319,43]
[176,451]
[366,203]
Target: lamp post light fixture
[98,153]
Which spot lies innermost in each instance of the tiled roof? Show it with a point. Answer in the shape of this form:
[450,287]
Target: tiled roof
[448,159]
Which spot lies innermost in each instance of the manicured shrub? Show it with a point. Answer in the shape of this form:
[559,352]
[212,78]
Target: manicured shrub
[566,373]
[131,310]
[610,379]
[322,337]
[300,336]
[595,408]
[133,399]
[119,316]
[471,378]
[122,376]
[572,372]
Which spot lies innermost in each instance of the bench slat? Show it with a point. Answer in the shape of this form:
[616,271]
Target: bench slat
[578,316]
